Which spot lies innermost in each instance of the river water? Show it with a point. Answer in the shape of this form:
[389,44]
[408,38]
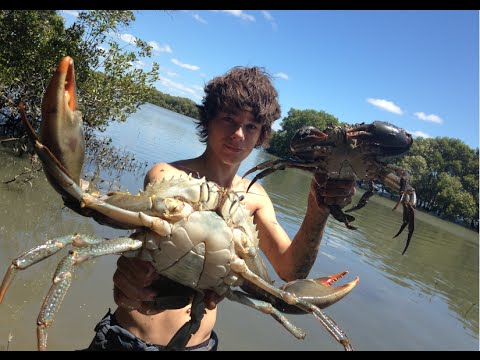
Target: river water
[426,299]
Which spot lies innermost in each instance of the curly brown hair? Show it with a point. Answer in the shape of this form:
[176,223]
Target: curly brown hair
[241,89]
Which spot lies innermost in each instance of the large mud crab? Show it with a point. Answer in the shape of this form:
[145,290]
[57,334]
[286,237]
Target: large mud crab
[356,152]
[195,233]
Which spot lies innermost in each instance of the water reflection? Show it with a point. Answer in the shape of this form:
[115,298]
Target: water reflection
[426,299]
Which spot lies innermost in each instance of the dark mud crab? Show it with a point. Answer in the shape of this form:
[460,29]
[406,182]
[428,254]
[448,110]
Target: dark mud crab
[195,233]
[357,152]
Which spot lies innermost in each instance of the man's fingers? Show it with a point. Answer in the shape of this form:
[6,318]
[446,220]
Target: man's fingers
[337,192]
[211,299]
[340,201]
[132,290]
[320,179]
[337,187]
[124,301]
[137,271]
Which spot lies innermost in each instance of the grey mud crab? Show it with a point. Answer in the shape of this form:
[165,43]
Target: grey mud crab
[195,233]
[356,152]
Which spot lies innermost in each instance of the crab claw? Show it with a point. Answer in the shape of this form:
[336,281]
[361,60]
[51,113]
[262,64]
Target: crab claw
[61,149]
[62,126]
[319,291]
[306,137]
[61,145]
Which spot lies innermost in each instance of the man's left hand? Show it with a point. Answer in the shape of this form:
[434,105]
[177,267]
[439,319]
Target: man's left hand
[332,191]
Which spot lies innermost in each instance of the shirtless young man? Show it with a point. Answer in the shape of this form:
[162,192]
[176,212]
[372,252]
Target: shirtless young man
[237,113]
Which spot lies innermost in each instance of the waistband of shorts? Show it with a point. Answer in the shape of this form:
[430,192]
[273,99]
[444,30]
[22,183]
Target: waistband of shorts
[109,321]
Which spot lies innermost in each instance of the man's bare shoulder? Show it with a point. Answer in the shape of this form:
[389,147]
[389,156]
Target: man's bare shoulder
[160,171]
[256,197]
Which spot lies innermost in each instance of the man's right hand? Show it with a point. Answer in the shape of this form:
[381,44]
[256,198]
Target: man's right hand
[131,284]
[134,287]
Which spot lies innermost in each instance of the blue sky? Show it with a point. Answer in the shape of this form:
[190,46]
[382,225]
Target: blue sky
[418,69]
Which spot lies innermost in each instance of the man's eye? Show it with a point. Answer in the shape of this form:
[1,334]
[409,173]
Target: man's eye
[252,127]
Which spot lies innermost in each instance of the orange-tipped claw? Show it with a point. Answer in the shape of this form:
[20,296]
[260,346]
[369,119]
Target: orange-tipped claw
[61,87]
[329,280]
[320,291]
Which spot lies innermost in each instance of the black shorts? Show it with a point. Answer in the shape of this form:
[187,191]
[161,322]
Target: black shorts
[110,336]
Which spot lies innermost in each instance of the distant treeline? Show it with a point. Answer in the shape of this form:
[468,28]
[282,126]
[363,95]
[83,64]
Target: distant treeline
[177,104]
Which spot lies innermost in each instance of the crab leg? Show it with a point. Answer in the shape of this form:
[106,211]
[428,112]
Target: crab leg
[408,219]
[41,252]
[364,199]
[271,166]
[407,198]
[339,215]
[64,273]
[267,308]
[319,292]
[33,256]
[240,267]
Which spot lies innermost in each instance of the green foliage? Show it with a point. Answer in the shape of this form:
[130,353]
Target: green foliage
[448,182]
[453,199]
[110,86]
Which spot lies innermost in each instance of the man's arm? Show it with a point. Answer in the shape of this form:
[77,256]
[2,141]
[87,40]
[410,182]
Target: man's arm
[294,259]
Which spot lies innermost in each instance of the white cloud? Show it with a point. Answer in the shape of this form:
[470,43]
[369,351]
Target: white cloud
[432,117]
[128,38]
[386,105]
[419,134]
[157,47]
[269,17]
[239,13]
[181,89]
[171,73]
[186,66]
[281,75]
[198,87]
[168,72]
[71,12]
[199,19]
[139,64]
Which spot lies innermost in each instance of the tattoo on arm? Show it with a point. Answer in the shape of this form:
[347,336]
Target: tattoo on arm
[306,263]
[304,269]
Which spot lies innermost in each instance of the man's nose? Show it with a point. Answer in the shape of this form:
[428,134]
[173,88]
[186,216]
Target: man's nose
[238,133]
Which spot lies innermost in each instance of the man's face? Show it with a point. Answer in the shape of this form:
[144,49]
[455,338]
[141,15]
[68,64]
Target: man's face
[233,135]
